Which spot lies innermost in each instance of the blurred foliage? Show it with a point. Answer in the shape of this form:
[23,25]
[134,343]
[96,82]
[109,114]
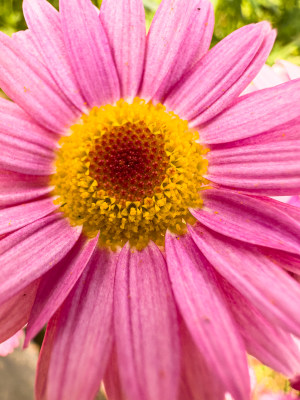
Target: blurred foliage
[284,15]
[11,15]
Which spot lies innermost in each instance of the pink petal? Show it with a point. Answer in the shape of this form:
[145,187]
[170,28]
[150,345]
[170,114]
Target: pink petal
[10,344]
[18,188]
[205,312]
[254,113]
[146,326]
[27,41]
[41,378]
[17,155]
[271,345]
[14,313]
[179,36]
[280,134]
[15,123]
[31,251]
[44,22]
[219,77]
[83,334]
[289,262]
[248,219]
[261,281]
[197,381]
[112,381]
[57,283]
[289,209]
[16,217]
[267,166]
[25,81]
[89,52]
[124,23]
[295,201]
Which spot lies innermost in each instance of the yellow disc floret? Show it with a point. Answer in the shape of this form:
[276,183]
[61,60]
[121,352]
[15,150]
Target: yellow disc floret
[130,172]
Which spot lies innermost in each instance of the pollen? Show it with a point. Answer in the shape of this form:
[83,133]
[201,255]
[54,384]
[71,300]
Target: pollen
[130,172]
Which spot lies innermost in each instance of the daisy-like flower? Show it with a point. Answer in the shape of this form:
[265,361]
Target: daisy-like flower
[135,211]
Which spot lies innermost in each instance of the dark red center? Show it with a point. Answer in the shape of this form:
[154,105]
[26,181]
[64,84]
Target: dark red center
[129,162]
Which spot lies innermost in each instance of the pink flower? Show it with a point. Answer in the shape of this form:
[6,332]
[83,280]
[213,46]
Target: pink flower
[10,344]
[280,72]
[88,178]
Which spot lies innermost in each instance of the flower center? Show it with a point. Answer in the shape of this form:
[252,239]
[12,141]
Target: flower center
[129,161]
[130,172]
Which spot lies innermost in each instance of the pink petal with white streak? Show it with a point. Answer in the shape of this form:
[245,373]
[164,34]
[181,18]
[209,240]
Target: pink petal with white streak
[261,281]
[83,333]
[197,381]
[124,23]
[146,328]
[221,75]
[269,344]
[57,283]
[248,219]
[41,377]
[112,382]
[25,80]
[28,253]
[289,209]
[15,123]
[28,42]
[287,261]
[272,166]
[89,52]
[280,134]
[14,313]
[16,217]
[254,113]
[18,188]
[44,22]
[20,156]
[206,315]
[180,34]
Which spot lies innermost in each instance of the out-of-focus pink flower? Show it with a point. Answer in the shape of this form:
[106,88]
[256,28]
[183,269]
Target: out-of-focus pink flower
[10,344]
[280,72]
[278,396]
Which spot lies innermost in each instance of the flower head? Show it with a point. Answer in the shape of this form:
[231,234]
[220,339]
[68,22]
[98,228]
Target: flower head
[134,202]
